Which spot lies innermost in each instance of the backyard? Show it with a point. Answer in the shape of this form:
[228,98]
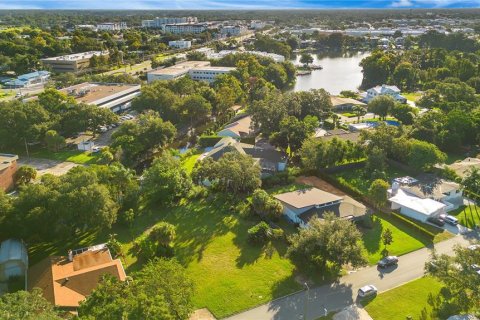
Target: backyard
[407,300]
[358,179]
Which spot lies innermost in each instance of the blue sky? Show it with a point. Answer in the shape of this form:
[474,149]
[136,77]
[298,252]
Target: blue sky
[232,4]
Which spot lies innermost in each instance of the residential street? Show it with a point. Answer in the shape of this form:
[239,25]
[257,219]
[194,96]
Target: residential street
[344,292]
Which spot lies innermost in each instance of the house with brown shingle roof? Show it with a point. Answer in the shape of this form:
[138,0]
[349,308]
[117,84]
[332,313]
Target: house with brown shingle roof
[67,280]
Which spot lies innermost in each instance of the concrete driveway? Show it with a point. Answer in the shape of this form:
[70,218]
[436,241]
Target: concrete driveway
[45,166]
[343,292]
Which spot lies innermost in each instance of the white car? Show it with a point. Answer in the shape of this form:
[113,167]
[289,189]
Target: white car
[451,220]
[96,149]
[367,291]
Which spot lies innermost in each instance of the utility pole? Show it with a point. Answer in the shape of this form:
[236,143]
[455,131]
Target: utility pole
[26,147]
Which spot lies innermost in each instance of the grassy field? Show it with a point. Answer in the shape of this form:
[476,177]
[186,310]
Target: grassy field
[405,239]
[211,242]
[358,179]
[74,156]
[407,300]
[468,216]
[412,96]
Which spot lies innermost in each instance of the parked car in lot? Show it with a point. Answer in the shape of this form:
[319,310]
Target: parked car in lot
[451,220]
[388,261]
[437,220]
[367,291]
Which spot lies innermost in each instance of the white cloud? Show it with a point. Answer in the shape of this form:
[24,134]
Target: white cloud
[402,3]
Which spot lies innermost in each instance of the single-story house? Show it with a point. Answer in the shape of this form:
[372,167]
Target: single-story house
[345,104]
[68,280]
[384,90]
[428,186]
[241,128]
[269,159]
[414,207]
[301,206]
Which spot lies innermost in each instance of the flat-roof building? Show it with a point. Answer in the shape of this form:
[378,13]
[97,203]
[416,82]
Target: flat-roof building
[160,22]
[72,62]
[180,44]
[8,167]
[115,96]
[28,79]
[175,71]
[181,28]
[208,73]
[112,26]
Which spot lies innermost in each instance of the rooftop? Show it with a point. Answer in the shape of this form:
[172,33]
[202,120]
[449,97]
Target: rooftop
[307,197]
[338,101]
[90,93]
[182,67]
[77,56]
[425,206]
[240,126]
[6,160]
[66,283]
[428,186]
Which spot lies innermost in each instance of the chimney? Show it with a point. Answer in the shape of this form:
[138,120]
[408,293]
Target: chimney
[70,256]
[395,187]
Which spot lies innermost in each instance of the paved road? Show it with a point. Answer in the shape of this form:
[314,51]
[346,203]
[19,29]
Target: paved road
[344,292]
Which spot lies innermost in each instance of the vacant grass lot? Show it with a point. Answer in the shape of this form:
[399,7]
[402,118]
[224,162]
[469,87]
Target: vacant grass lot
[468,216]
[189,162]
[74,156]
[211,242]
[404,301]
[412,96]
[358,179]
[405,239]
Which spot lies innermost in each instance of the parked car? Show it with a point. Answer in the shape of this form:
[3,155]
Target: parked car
[437,220]
[96,149]
[103,129]
[367,291]
[451,220]
[388,261]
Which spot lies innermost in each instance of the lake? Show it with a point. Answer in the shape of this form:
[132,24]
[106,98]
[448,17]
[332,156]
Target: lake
[341,71]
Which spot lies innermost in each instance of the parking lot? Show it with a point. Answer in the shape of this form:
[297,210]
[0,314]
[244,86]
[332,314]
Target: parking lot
[45,166]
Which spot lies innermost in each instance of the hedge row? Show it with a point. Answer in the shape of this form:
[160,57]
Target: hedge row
[208,141]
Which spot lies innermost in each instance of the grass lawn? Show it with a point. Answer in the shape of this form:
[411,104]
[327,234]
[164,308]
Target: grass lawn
[75,156]
[211,242]
[358,179]
[405,239]
[468,216]
[412,96]
[406,300]
[189,162]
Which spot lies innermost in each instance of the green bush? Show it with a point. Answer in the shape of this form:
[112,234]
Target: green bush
[260,233]
[208,141]
[248,140]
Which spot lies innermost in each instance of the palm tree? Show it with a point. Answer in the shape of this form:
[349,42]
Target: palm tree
[359,112]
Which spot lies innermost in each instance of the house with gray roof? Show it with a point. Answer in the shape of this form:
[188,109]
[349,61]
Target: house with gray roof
[269,159]
[301,206]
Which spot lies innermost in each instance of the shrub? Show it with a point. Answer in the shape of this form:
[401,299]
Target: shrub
[208,141]
[260,233]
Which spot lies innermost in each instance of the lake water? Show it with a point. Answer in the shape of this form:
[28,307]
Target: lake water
[341,71]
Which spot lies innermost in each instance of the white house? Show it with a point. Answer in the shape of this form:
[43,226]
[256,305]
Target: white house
[302,205]
[415,207]
[384,90]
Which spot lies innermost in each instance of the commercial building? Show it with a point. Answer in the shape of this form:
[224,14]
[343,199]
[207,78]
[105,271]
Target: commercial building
[198,70]
[115,96]
[229,31]
[72,62]
[256,25]
[112,26]
[223,53]
[183,28]
[175,71]
[67,280]
[8,167]
[208,73]
[180,44]
[28,79]
[160,22]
